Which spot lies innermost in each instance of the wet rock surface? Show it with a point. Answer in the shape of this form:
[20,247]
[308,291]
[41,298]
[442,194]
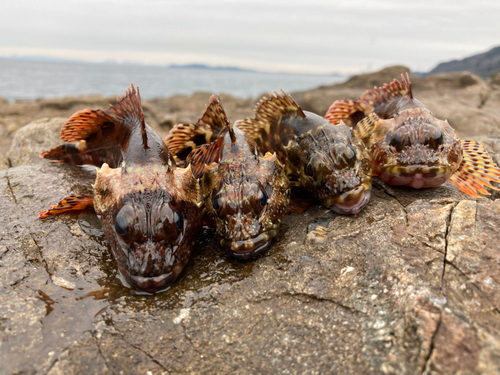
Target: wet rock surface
[409,285]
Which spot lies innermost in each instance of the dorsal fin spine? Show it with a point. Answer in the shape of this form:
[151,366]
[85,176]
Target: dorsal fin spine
[407,83]
[225,120]
[143,123]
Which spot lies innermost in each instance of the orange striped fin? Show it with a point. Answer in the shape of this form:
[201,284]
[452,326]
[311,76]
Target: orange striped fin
[344,110]
[73,203]
[184,138]
[205,155]
[83,124]
[387,93]
[476,170]
[126,112]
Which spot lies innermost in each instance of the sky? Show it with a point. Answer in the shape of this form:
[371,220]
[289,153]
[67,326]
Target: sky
[307,36]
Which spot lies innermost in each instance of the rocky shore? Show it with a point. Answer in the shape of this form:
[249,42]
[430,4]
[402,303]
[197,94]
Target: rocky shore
[409,285]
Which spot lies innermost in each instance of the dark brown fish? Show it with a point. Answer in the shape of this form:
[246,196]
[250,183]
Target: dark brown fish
[245,194]
[411,147]
[150,210]
[328,161]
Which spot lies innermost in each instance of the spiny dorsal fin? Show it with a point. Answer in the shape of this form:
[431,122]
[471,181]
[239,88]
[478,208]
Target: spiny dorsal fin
[184,138]
[386,94]
[277,107]
[126,112]
[407,83]
[268,129]
[205,155]
[215,117]
[475,171]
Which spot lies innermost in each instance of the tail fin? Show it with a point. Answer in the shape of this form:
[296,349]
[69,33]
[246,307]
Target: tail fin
[100,136]
[184,138]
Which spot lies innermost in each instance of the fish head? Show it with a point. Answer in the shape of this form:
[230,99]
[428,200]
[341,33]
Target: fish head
[336,169]
[149,224]
[415,149]
[245,200]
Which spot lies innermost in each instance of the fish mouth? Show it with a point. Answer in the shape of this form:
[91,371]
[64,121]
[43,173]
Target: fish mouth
[249,248]
[147,284]
[416,176]
[352,201]
[150,267]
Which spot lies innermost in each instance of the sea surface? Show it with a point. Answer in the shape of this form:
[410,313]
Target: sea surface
[30,79]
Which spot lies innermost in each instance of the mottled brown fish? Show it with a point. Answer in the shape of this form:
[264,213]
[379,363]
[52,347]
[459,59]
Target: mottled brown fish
[328,161]
[245,194]
[149,209]
[411,147]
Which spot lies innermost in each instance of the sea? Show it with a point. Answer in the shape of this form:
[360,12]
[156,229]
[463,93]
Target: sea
[31,79]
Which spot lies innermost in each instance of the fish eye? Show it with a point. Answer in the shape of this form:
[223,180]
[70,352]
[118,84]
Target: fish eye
[262,198]
[434,138]
[121,225]
[310,170]
[399,140]
[124,221]
[257,199]
[173,222]
[179,221]
[345,156]
[217,202]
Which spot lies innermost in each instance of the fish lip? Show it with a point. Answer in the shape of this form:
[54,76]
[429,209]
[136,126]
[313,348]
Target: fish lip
[353,206]
[416,176]
[350,202]
[148,284]
[241,249]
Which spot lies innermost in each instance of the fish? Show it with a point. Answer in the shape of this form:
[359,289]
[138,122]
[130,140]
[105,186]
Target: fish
[409,146]
[149,208]
[330,162]
[245,193]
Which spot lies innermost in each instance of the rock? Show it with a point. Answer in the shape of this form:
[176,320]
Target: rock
[369,80]
[408,285]
[495,79]
[33,139]
[170,119]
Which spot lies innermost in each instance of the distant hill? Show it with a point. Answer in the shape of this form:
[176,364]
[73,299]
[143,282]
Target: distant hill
[484,64]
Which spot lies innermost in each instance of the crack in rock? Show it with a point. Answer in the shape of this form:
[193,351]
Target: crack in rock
[428,359]
[40,252]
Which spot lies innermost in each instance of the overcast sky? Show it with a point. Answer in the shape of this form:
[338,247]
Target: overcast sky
[309,36]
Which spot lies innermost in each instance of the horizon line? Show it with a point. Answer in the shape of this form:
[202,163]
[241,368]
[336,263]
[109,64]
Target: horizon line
[193,65]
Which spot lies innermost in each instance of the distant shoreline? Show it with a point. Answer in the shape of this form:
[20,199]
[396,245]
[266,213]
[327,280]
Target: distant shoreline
[43,59]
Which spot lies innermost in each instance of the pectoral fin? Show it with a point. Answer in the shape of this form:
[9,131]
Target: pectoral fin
[476,170]
[73,204]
